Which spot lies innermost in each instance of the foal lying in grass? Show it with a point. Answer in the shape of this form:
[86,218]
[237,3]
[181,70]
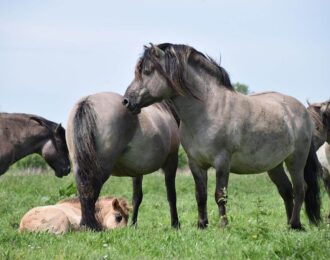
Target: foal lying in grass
[66,215]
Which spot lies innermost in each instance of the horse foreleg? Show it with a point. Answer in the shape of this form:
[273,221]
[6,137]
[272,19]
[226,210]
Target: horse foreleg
[170,173]
[89,190]
[200,178]
[222,176]
[284,187]
[137,197]
[326,181]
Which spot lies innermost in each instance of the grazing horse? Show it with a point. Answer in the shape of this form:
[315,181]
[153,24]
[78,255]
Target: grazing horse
[229,131]
[105,139]
[320,113]
[65,216]
[23,134]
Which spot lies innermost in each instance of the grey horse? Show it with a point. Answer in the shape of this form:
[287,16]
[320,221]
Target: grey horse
[24,134]
[105,139]
[229,131]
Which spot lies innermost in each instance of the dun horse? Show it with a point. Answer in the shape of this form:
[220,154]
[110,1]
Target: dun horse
[105,139]
[229,131]
[65,216]
[320,113]
[23,134]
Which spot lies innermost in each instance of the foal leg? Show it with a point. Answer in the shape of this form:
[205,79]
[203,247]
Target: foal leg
[200,177]
[220,195]
[89,189]
[137,198]
[169,169]
[284,187]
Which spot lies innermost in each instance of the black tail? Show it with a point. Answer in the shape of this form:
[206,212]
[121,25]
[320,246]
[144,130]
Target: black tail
[84,140]
[312,196]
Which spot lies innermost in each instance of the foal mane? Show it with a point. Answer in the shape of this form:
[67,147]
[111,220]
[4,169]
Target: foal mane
[177,56]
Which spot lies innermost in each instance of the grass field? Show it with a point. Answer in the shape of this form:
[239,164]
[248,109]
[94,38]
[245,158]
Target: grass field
[257,228]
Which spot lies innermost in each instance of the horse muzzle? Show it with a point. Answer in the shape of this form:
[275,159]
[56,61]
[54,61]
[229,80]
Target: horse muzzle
[133,107]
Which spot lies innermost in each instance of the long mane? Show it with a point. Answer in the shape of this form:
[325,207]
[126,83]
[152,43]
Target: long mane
[177,57]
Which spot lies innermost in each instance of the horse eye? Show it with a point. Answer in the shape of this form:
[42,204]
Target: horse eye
[119,218]
[147,72]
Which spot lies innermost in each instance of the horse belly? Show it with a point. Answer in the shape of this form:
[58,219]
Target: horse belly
[260,160]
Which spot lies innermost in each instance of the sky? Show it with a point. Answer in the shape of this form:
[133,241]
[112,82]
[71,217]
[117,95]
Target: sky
[54,52]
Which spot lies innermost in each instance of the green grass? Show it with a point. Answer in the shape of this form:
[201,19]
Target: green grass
[257,228]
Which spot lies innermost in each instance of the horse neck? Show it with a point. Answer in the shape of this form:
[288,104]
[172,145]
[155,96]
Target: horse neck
[192,111]
[27,136]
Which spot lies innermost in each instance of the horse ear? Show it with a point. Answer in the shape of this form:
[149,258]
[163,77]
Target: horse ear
[40,122]
[157,51]
[57,129]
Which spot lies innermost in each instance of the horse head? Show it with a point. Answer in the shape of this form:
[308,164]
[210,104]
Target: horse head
[54,149]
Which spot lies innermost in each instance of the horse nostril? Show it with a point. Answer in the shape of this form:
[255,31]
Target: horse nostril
[126,102]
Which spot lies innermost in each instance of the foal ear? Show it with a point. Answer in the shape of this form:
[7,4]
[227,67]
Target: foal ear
[115,203]
[157,51]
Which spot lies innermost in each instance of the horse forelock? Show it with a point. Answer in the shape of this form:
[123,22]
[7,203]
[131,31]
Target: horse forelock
[177,57]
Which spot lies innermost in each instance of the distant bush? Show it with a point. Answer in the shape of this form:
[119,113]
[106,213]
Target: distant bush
[33,161]
[183,159]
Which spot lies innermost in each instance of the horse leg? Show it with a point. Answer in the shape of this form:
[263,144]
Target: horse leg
[169,169]
[89,189]
[137,198]
[200,178]
[284,187]
[326,181]
[220,195]
[296,170]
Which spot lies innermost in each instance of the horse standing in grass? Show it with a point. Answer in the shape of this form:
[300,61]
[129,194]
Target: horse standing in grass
[105,139]
[229,131]
[320,113]
[65,216]
[23,134]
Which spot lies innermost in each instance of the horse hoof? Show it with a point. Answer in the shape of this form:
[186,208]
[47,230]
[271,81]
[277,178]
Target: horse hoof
[134,225]
[202,224]
[223,222]
[297,227]
[176,225]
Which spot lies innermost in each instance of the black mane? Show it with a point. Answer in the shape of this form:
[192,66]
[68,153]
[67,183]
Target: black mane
[176,58]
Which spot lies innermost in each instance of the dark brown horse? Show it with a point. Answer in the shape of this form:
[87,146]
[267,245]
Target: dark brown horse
[23,134]
[105,139]
[228,131]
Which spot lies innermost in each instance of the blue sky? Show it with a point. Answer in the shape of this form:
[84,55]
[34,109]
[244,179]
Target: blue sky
[54,52]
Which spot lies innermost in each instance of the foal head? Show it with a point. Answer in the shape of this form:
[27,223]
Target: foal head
[55,150]
[112,212]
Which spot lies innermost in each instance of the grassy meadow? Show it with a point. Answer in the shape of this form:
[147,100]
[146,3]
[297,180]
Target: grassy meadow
[257,228]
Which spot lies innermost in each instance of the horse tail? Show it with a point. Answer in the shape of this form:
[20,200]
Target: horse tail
[312,195]
[84,125]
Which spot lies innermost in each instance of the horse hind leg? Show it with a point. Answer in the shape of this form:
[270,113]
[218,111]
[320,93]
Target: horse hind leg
[136,198]
[169,169]
[89,188]
[284,187]
[295,167]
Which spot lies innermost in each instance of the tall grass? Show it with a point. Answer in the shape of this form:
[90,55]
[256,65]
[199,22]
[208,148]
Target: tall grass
[257,228]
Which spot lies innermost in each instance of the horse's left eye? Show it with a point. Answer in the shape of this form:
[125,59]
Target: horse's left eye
[119,218]
[147,72]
